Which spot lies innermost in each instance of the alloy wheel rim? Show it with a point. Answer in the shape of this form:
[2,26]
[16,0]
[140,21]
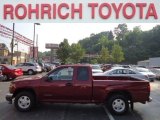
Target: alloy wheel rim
[24,102]
[30,72]
[118,105]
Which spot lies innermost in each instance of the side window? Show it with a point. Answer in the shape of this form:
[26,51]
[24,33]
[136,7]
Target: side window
[29,64]
[119,71]
[62,74]
[125,71]
[114,72]
[19,65]
[82,74]
[131,72]
[25,64]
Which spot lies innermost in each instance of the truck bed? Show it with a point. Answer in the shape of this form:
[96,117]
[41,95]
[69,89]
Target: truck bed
[137,88]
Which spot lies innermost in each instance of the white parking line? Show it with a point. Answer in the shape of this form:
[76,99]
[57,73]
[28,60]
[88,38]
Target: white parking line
[108,113]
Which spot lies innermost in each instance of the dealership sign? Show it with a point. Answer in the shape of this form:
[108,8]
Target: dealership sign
[52,46]
[80,11]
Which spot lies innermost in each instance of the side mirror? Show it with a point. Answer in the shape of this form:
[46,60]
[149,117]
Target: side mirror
[48,78]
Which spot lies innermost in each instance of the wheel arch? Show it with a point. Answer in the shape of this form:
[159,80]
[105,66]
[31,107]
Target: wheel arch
[120,92]
[30,90]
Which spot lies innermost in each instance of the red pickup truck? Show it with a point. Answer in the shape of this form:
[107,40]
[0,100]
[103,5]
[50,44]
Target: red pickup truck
[75,84]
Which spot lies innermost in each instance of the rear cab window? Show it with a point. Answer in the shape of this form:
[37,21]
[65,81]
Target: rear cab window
[82,74]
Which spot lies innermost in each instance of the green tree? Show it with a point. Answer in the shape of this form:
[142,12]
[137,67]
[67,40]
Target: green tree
[110,35]
[77,53]
[64,51]
[117,53]
[120,31]
[94,61]
[104,55]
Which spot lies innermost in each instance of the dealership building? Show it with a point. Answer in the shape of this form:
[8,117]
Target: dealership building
[151,62]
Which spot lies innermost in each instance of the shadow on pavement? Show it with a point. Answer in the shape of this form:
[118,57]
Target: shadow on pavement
[54,112]
[131,115]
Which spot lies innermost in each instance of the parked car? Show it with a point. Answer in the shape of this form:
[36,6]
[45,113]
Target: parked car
[10,72]
[146,72]
[30,68]
[53,66]
[1,75]
[126,66]
[42,66]
[75,84]
[96,69]
[156,71]
[48,67]
[120,71]
[56,64]
[106,67]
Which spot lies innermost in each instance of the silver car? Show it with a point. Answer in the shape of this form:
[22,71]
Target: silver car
[146,72]
[96,69]
[119,71]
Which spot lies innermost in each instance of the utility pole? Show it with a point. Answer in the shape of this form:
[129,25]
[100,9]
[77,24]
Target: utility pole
[12,44]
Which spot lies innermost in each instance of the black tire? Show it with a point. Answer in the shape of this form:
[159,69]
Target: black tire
[30,72]
[121,101]
[5,77]
[18,104]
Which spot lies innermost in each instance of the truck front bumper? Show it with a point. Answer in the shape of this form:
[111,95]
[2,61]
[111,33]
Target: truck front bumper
[9,97]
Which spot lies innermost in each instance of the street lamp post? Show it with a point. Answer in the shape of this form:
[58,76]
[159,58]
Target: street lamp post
[34,39]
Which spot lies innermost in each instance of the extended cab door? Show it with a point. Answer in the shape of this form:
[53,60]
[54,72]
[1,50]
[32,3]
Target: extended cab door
[83,84]
[59,86]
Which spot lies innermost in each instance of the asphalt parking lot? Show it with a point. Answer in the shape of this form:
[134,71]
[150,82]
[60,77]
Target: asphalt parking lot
[149,111]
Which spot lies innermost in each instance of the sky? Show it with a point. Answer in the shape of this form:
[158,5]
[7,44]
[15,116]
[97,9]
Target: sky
[56,32]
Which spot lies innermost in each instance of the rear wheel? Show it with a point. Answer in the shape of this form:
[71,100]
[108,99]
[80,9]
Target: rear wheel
[24,101]
[118,104]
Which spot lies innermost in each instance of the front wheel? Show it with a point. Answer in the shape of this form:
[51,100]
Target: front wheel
[24,101]
[118,104]
[5,77]
[30,72]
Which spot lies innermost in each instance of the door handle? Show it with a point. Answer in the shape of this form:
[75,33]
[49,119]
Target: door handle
[68,84]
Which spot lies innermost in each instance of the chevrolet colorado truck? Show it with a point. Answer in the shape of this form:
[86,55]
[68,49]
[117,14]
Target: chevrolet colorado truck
[76,84]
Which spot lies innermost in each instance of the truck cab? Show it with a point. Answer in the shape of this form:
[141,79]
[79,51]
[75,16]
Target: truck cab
[67,84]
